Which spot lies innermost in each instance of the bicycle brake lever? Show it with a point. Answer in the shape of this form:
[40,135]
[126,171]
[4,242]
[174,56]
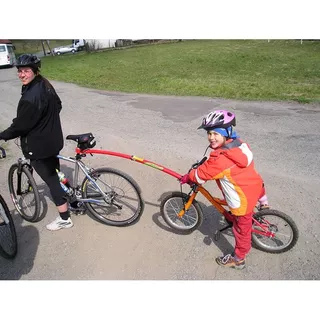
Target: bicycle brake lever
[199,163]
[193,186]
[2,153]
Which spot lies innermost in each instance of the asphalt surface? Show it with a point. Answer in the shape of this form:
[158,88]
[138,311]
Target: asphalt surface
[283,136]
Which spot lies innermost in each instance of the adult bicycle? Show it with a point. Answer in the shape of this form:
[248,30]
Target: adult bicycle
[110,195]
[8,236]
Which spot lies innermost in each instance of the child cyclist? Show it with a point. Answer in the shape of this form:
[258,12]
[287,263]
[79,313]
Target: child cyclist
[231,165]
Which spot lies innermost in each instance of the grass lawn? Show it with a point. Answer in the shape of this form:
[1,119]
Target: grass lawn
[232,69]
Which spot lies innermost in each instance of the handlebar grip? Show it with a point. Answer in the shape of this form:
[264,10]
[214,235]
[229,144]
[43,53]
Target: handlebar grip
[202,160]
[197,164]
[3,153]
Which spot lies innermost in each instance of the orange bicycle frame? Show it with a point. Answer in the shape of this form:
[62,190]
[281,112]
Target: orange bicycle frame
[216,202]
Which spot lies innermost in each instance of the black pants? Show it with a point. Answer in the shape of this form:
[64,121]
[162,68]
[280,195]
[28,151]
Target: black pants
[46,169]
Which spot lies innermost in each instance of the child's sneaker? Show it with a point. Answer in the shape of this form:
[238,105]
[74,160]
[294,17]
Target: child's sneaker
[59,223]
[230,262]
[263,207]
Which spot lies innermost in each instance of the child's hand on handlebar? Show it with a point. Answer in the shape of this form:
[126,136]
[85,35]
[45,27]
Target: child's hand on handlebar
[185,179]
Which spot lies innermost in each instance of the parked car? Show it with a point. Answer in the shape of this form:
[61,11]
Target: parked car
[65,49]
[7,56]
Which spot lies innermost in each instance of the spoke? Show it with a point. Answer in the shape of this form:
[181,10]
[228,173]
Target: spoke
[174,206]
[129,205]
[120,193]
[104,183]
[281,234]
[24,202]
[280,239]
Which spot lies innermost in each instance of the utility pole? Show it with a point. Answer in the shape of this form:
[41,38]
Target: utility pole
[52,53]
[44,50]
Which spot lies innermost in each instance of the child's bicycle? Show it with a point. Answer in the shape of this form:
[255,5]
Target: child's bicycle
[110,195]
[8,236]
[272,231]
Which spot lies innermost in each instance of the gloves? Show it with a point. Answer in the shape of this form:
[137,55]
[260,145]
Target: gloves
[185,179]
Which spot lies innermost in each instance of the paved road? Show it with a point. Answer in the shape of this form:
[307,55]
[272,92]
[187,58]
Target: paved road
[284,138]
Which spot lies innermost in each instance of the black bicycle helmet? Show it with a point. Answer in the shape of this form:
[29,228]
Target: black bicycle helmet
[28,60]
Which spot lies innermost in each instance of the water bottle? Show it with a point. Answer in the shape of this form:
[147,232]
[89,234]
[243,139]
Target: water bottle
[64,183]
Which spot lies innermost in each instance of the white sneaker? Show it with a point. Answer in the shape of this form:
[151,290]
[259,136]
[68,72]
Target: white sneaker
[59,223]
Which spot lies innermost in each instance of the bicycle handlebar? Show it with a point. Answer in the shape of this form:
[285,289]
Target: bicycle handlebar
[2,153]
[198,163]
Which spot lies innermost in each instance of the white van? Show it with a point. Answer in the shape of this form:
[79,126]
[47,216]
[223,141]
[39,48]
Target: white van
[7,56]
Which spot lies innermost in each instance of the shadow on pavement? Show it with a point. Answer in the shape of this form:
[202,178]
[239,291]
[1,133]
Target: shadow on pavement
[43,192]
[212,221]
[28,242]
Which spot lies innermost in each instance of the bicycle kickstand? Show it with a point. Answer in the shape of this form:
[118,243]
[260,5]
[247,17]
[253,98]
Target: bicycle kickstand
[217,234]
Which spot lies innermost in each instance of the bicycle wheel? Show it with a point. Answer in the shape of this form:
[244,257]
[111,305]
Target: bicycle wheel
[172,204]
[26,200]
[123,204]
[283,228]
[8,236]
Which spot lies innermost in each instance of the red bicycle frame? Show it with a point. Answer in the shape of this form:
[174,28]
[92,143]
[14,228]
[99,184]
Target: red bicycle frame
[132,158]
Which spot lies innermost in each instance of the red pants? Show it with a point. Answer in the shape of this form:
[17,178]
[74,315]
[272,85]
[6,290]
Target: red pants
[242,227]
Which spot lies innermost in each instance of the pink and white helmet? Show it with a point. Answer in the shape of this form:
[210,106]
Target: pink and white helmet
[218,119]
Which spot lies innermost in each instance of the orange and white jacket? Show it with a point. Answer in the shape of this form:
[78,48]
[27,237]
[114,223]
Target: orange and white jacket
[233,169]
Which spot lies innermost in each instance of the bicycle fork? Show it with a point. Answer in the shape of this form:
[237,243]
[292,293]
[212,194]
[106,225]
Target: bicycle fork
[22,163]
[187,205]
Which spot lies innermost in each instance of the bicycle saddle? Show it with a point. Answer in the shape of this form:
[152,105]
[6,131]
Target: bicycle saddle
[83,140]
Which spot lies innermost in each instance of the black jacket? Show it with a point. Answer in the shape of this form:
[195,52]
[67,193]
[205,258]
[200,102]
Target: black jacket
[38,122]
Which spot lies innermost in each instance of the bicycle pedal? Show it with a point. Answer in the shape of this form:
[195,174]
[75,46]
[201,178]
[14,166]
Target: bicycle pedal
[217,235]
[228,226]
[77,212]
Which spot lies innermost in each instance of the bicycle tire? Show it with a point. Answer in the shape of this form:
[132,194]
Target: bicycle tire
[33,213]
[257,239]
[9,251]
[172,204]
[118,192]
